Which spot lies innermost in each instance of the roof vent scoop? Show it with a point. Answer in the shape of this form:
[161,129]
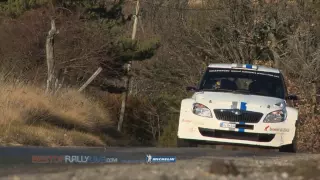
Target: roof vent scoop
[244,66]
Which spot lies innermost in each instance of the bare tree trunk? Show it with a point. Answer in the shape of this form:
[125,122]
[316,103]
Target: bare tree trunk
[273,44]
[127,77]
[50,57]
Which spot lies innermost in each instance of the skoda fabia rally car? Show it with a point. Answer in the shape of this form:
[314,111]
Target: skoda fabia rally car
[239,104]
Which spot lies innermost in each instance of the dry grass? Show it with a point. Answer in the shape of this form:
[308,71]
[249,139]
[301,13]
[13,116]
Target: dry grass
[28,117]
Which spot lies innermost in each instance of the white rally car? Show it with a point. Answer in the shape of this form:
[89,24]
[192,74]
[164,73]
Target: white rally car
[239,104]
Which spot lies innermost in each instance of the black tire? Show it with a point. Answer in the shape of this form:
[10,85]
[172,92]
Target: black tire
[290,148]
[186,143]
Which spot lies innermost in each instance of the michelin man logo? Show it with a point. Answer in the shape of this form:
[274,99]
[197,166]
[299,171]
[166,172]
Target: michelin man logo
[148,158]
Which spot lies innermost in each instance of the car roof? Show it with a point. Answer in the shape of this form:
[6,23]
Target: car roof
[245,66]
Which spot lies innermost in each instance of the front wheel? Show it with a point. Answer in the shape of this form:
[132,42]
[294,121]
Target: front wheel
[186,143]
[290,148]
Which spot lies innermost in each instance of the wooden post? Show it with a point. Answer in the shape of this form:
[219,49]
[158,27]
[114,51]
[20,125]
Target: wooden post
[61,75]
[94,75]
[314,93]
[128,69]
[50,57]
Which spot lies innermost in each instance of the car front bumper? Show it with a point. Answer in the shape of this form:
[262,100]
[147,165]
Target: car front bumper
[275,135]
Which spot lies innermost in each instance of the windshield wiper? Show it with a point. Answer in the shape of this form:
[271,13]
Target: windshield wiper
[217,90]
[242,91]
[227,90]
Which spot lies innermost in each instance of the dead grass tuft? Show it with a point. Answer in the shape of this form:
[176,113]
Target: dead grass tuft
[29,117]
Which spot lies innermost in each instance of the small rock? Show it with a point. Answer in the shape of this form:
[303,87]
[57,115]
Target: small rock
[16,178]
[240,176]
[285,175]
[275,177]
[223,168]
[223,178]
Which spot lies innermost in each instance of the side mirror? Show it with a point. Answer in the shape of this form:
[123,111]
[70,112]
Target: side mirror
[292,97]
[191,88]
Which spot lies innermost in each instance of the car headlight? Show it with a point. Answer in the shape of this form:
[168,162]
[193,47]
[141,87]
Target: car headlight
[276,116]
[201,110]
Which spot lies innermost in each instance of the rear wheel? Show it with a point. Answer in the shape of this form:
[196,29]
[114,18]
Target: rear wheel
[186,143]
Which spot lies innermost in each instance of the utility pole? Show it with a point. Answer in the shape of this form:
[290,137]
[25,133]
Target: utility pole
[127,76]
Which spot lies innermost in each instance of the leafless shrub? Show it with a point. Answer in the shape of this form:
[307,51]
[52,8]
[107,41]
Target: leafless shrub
[79,49]
[236,31]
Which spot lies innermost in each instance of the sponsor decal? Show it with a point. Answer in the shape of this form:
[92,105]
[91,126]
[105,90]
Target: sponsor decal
[192,129]
[186,121]
[245,71]
[193,122]
[281,140]
[160,159]
[268,128]
[227,125]
[219,70]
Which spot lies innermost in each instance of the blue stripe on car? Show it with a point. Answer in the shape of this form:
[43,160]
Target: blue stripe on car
[249,66]
[243,106]
[240,130]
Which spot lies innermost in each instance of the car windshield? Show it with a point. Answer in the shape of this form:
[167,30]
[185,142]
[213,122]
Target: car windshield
[243,82]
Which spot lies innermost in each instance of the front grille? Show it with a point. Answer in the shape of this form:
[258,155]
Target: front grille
[236,135]
[245,116]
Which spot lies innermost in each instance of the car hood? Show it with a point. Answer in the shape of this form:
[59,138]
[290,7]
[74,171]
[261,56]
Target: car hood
[227,100]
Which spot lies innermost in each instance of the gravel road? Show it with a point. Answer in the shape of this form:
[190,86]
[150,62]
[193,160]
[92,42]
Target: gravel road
[192,164]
